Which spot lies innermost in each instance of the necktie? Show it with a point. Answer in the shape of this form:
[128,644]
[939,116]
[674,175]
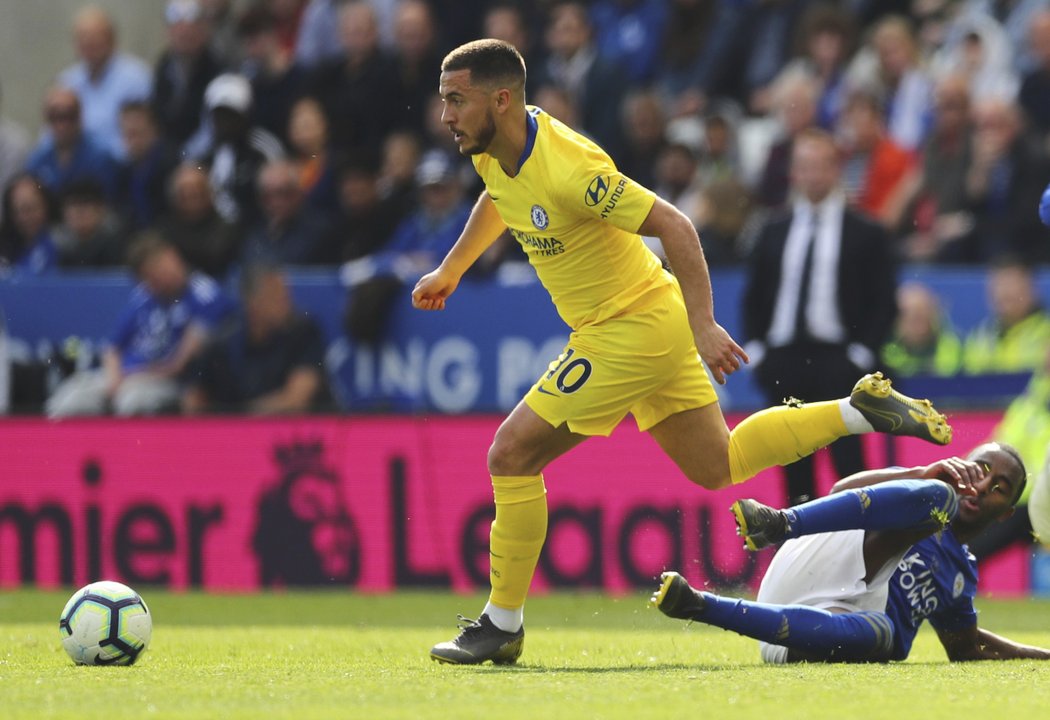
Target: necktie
[801,325]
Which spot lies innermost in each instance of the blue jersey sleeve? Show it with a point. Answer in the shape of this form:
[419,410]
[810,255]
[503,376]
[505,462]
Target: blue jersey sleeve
[127,323]
[210,305]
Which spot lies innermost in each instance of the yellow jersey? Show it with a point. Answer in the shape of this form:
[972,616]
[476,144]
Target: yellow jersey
[577,218]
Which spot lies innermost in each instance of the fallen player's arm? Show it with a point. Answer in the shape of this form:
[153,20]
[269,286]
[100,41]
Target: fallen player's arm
[973,643]
[960,474]
[874,477]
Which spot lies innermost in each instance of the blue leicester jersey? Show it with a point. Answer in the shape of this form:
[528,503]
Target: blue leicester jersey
[936,581]
[150,329]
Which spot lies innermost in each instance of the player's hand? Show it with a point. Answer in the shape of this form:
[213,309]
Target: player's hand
[961,474]
[433,289]
[720,351]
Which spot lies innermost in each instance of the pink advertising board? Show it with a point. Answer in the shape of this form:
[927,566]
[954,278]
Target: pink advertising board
[370,503]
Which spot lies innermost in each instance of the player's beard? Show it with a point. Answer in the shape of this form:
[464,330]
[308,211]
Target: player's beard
[484,137]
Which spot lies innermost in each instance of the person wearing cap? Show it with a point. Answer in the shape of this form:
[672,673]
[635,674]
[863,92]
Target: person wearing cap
[238,150]
[103,79]
[183,71]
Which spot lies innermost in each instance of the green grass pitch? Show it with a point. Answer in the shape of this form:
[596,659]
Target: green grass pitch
[343,655]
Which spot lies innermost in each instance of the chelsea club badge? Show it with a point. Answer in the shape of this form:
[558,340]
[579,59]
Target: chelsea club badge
[539,217]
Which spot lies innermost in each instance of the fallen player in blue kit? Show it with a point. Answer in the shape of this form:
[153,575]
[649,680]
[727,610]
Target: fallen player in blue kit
[861,569]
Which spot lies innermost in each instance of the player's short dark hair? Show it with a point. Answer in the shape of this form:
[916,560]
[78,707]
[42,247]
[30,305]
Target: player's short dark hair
[1016,456]
[490,62]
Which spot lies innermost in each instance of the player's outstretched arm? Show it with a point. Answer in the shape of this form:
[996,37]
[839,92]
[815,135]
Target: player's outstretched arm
[973,643]
[960,474]
[682,245]
[483,227]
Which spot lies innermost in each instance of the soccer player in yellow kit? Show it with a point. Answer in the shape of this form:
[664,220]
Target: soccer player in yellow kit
[638,332]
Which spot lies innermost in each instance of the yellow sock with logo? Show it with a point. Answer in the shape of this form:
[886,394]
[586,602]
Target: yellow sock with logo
[782,435]
[516,537]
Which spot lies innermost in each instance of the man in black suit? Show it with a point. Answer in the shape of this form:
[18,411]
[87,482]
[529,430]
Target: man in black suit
[819,300]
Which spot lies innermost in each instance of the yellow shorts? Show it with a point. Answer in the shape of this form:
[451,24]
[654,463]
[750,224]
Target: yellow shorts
[644,363]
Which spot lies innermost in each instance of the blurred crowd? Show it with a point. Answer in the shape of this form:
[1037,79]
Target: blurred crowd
[268,134]
[292,130]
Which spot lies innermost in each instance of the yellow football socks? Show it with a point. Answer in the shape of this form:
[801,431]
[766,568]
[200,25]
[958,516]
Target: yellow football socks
[516,537]
[781,435]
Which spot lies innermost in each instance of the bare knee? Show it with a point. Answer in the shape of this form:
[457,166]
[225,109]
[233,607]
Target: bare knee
[708,478]
[507,457]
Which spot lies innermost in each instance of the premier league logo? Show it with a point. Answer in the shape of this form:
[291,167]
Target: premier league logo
[539,217]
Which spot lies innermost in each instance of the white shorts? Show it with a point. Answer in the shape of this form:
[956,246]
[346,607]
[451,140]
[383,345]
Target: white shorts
[823,571]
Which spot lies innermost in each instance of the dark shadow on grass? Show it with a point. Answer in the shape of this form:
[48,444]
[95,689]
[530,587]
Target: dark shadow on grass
[570,670]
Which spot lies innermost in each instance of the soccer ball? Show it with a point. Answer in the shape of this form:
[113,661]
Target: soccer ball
[105,623]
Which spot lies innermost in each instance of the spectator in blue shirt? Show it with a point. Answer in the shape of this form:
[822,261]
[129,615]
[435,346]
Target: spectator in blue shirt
[167,320]
[66,152]
[103,79]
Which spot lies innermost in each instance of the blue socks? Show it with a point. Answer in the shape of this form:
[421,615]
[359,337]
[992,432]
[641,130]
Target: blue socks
[893,505]
[826,635]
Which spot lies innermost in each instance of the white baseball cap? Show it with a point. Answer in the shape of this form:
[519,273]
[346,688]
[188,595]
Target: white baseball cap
[229,91]
[434,168]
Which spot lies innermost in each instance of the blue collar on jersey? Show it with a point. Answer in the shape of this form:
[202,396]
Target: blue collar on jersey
[531,126]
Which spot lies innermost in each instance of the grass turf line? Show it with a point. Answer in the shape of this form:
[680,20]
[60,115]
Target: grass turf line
[336,654]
